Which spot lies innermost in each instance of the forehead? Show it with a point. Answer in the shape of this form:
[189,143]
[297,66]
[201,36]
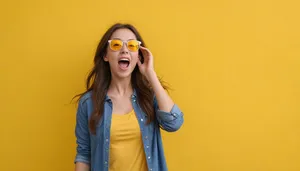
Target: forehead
[123,34]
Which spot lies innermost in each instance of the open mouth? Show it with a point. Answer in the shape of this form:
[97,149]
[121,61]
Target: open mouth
[124,63]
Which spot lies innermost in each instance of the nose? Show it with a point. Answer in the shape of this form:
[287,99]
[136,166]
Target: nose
[124,49]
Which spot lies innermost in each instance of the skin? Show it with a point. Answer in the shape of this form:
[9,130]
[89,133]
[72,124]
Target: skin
[120,89]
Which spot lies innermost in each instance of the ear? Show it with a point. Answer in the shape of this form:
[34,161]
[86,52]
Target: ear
[105,58]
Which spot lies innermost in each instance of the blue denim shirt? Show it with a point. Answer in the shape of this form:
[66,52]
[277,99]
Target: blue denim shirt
[94,149]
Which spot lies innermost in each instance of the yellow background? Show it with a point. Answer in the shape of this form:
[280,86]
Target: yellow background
[233,65]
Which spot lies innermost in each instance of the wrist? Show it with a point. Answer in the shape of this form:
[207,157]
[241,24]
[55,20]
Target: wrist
[151,76]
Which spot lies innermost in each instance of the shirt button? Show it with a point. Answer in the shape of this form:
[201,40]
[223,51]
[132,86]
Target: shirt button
[106,140]
[150,169]
[134,100]
[105,162]
[146,137]
[149,157]
[147,146]
[142,120]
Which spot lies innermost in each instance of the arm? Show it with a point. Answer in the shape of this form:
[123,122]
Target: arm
[82,159]
[80,166]
[168,114]
[164,101]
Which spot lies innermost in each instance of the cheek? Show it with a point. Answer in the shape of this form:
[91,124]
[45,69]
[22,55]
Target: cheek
[135,56]
[111,55]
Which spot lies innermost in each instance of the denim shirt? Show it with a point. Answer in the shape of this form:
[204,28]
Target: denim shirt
[94,149]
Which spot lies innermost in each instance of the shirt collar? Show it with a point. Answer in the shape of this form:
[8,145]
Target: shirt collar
[133,96]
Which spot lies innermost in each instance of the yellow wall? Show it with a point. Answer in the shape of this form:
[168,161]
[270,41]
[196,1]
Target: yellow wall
[234,66]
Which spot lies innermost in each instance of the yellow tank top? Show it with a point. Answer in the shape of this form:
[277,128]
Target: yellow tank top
[126,146]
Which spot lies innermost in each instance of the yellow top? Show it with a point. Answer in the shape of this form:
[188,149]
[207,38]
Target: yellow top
[126,146]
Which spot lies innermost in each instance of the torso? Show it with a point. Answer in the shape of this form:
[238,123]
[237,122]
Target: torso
[121,105]
[126,145]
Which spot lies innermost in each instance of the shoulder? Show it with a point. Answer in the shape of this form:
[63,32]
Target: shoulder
[85,98]
[85,104]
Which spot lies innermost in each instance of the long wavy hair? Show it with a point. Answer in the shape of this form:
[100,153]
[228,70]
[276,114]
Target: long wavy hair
[99,79]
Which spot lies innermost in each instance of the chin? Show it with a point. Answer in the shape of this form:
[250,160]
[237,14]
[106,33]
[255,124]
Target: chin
[124,74]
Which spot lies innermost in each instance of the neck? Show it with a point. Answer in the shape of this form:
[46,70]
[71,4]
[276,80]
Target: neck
[120,87]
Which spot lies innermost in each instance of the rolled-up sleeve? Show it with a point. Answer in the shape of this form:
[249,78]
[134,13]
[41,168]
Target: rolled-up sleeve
[82,135]
[169,121]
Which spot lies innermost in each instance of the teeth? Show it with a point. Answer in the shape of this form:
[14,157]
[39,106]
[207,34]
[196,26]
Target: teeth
[124,59]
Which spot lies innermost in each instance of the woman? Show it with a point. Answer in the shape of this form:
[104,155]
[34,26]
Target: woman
[120,114]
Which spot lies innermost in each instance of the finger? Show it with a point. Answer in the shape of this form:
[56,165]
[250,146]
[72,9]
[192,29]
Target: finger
[147,51]
[143,50]
[147,54]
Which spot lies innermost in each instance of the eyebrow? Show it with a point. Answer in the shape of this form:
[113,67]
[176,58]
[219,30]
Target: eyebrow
[121,39]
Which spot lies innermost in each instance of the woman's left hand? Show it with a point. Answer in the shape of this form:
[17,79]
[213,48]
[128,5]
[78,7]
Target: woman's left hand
[147,67]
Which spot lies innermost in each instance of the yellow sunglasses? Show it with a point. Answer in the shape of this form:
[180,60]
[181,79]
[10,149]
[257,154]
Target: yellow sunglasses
[132,45]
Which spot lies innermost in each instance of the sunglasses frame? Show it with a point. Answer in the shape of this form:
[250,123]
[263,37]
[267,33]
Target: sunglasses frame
[109,43]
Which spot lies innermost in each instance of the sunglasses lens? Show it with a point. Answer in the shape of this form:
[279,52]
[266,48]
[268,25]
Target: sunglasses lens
[133,45]
[116,45]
